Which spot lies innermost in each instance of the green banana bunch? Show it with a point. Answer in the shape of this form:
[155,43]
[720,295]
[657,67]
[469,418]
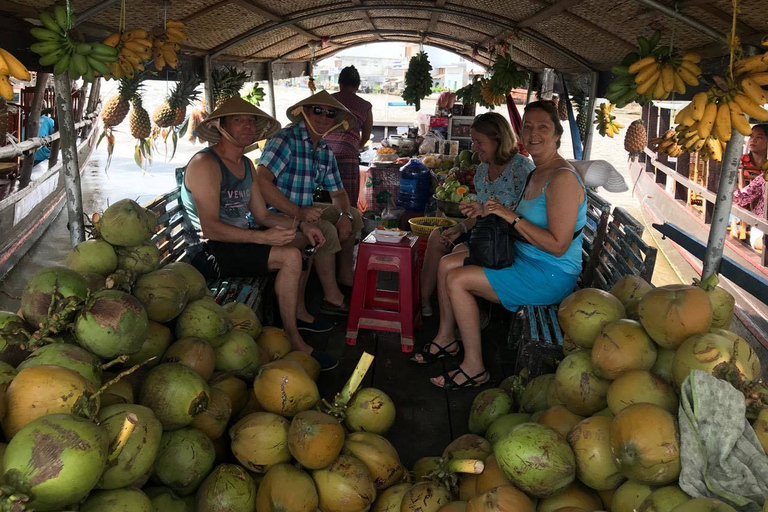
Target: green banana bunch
[606,121]
[57,48]
[418,80]
[623,90]
[506,75]
[255,95]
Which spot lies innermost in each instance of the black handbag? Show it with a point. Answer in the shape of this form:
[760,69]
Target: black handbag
[491,243]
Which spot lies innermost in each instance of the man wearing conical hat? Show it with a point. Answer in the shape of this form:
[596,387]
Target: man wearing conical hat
[295,163]
[219,192]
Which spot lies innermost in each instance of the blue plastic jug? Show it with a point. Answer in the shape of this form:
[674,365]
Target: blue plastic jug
[415,186]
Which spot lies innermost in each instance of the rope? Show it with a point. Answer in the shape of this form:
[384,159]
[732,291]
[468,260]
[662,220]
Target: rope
[674,29]
[121,26]
[733,39]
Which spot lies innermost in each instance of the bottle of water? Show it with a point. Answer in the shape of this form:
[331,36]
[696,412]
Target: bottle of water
[415,186]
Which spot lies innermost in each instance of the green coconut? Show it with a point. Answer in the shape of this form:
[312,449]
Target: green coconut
[283,387]
[229,488]
[237,354]
[390,499]
[68,356]
[622,345]
[203,318]
[126,223]
[725,358]
[704,505]
[163,293]
[193,352]
[425,497]
[423,467]
[315,439]
[504,424]
[37,295]
[663,365]
[555,466]
[590,442]
[260,440]
[184,459]
[535,393]
[117,393]
[664,499]
[159,338]
[243,318]
[111,324]
[134,463]
[165,500]
[236,389]
[370,410]
[93,256]
[95,282]
[287,488]
[140,259]
[629,496]
[118,500]
[487,406]
[468,446]
[378,455]
[344,486]
[581,391]
[80,449]
[213,420]
[629,290]
[195,280]
[13,336]
[640,386]
[175,393]
[584,313]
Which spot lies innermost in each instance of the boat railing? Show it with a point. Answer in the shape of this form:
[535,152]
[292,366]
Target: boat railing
[17,149]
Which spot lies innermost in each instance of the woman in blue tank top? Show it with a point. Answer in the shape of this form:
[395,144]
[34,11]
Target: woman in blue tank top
[552,210]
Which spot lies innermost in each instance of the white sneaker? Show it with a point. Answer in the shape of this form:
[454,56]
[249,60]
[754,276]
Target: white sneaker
[426,311]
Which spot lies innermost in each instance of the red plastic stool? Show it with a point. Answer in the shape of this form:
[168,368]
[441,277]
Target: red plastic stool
[383,310]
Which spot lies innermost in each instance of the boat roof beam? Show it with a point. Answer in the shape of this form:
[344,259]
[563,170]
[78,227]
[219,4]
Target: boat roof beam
[682,18]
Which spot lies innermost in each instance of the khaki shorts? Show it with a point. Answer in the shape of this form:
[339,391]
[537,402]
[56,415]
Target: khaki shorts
[327,225]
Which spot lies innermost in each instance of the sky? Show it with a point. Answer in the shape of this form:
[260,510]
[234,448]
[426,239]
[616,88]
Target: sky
[437,56]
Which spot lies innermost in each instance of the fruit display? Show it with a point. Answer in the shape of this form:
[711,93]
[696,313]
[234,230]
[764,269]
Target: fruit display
[653,72]
[453,191]
[10,66]
[667,144]
[117,107]
[58,47]
[606,121]
[505,76]
[172,111]
[227,83]
[166,46]
[636,137]
[471,93]
[418,80]
[255,95]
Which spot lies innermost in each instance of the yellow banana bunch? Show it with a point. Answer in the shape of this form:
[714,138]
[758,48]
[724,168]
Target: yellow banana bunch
[489,98]
[657,76]
[667,144]
[174,31]
[606,121]
[10,66]
[134,49]
[164,52]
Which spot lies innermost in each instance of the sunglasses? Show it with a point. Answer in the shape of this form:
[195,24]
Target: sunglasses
[329,112]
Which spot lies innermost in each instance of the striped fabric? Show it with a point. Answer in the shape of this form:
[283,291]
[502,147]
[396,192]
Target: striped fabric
[298,168]
[346,144]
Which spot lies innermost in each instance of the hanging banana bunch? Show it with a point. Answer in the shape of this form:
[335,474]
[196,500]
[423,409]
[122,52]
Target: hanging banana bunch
[59,49]
[653,72]
[166,46]
[606,121]
[133,48]
[489,99]
[418,80]
[10,66]
[667,144]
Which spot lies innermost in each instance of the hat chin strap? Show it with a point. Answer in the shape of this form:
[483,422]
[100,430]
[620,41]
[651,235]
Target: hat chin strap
[344,124]
[224,133]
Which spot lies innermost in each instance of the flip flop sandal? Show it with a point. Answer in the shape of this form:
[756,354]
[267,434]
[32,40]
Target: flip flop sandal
[428,357]
[471,382]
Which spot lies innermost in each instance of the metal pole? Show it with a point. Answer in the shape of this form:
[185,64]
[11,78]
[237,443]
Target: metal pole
[683,18]
[723,203]
[93,11]
[589,134]
[70,170]
[547,83]
[208,71]
[271,89]
[529,95]
[33,126]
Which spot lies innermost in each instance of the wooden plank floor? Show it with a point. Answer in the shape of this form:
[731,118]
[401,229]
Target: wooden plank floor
[428,418]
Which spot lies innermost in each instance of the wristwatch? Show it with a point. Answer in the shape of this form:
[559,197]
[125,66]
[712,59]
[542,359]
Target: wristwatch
[346,214]
[517,219]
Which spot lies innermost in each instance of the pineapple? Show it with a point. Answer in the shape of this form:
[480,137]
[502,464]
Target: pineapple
[116,107]
[582,119]
[141,128]
[227,83]
[174,109]
[562,108]
[636,138]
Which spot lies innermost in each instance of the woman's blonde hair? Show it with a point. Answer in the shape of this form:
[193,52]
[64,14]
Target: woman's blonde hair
[494,126]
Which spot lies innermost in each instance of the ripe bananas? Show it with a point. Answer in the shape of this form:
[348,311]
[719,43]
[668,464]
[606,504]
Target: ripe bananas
[605,121]
[10,67]
[667,144]
[133,49]
[489,98]
[166,46]
[57,47]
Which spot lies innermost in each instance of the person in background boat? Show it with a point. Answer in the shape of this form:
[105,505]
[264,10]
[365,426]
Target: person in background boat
[46,129]
[500,175]
[549,217]
[753,195]
[218,193]
[346,145]
[294,163]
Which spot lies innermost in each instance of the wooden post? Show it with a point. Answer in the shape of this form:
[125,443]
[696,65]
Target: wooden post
[208,72]
[589,134]
[271,89]
[33,127]
[70,169]
[652,127]
[529,94]
[683,168]
[663,120]
[93,97]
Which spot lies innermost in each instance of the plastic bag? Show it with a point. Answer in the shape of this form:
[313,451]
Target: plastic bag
[391,214]
[432,141]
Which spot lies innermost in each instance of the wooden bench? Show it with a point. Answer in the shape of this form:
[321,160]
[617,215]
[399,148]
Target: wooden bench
[175,238]
[612,248]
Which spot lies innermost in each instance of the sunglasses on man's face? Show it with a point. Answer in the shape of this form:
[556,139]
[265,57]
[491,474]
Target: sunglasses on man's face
[329,112]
